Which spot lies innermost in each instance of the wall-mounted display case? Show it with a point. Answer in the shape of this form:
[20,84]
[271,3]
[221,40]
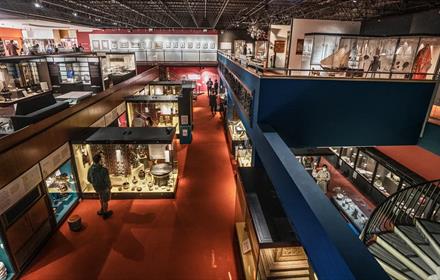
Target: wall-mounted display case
[267,244]
[376,175]
[162,88]
[118,67]
[60,182]
[240,144]
[398,57]
[142,162]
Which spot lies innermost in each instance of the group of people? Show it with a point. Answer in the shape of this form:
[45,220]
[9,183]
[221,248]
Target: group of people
[213,96]
[13,49]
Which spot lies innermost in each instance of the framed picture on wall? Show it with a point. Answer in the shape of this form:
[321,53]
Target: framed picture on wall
[205,45]
[197,45]
[175,44]
[105,45]
[168,44]
[135,44]
[114,44]
[190,45]
[123,44]
[212,45]
[158,45]
[96,45]
[299,46]
[182,45]
[148,45]
[143,45]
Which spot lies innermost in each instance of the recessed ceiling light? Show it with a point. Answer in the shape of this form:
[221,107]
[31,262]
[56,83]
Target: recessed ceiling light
[75,14]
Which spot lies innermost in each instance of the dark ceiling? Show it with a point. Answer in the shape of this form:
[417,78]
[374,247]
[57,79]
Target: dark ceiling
[219,14]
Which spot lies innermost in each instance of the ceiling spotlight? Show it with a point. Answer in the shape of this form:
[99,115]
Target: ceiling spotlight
[354,1]
[115,23]
[75,14]
[37,5]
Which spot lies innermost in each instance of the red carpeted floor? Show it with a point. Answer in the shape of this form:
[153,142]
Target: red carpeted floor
[190,237]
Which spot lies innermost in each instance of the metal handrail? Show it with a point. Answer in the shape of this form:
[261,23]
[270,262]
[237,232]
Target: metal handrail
[351,73]
[403,208]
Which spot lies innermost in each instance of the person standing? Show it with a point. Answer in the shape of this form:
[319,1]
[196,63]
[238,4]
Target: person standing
[216,87]
[322,177]
[213,102]
[12,48]
[99,177]
[209,86]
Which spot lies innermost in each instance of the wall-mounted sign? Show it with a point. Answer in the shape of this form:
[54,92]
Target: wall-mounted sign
[279,46]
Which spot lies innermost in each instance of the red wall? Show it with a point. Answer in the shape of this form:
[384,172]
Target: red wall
[83,40]
[181,73]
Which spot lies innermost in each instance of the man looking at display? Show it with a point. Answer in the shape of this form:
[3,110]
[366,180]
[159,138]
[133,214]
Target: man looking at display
[99,178]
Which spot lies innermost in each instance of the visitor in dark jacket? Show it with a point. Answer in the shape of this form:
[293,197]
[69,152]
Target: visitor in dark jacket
[99,178]
[209,86]
[216,87]
[213,102]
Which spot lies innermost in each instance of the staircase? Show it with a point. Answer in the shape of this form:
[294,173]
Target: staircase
[284,263]
[403,233]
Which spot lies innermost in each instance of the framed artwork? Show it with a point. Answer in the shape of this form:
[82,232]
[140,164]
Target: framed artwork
[135,44]
[182,45]
[143,45]
[123,44]
[148,45]
[299,46]
[168,44]
[158,45]
[212,45]
[205,45]
[175,44]
[104,45]
[114,44]
[190,45]
[96,45]
[197,45]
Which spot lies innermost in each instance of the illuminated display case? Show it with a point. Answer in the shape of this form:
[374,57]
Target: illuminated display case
[22,77]
[76,72]
[60,182]
[403,57]
[267,244]
[142,162]
[240,144]
[118,67]
[376,175]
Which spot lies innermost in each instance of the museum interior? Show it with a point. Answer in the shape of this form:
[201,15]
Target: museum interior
[231,139]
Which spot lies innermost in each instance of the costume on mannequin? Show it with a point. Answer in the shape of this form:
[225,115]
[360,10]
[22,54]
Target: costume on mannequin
[422,63]
[322,177]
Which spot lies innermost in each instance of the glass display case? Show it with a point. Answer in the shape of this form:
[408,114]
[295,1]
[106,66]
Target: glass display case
[386,181]
[398,57]
[7,271]
[76,72]
[349,154]
[142,162]
[22,77]
[365,166]
[62,190]
[261,51]
[153,111]
[239,47]
[259,222]
[118,67]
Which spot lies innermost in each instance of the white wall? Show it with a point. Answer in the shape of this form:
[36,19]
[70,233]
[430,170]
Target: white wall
[303,26]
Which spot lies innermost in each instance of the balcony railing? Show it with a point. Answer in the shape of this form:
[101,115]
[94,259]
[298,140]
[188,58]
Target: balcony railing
[258,69]
[153,56]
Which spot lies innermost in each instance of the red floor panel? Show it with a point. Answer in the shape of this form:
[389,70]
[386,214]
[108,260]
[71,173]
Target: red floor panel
[190,237]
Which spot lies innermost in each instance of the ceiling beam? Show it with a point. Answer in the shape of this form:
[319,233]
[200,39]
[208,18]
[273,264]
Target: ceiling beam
[191,13]
[168,12]
[139,13]
[219,15]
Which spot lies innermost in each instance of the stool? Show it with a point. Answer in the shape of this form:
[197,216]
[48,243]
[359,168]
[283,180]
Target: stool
[74,222]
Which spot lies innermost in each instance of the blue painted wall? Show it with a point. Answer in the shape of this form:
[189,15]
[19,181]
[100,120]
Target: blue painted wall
[431,138]
[319,112]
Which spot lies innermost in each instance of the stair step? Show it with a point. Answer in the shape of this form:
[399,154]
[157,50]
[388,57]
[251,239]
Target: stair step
[288,274]
[433,229]
[419,240]
[386,257]
[289,265]
[400,245]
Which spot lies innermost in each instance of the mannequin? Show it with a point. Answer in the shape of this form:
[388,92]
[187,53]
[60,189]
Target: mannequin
[322,177]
